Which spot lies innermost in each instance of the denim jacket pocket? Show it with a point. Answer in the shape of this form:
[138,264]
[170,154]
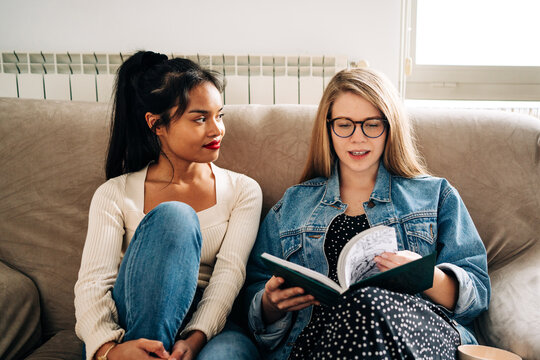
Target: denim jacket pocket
[290,245]
[421,234]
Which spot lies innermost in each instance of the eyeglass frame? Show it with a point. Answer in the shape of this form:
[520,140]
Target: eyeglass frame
[361,123]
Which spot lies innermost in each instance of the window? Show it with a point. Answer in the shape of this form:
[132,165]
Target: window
[474,50]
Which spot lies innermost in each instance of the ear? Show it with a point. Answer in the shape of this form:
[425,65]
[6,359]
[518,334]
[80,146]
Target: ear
[151,120]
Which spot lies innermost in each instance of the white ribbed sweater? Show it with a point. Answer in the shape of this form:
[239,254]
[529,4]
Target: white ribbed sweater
[228,229]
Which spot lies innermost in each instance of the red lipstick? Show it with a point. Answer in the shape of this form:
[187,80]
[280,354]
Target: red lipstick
[214,145]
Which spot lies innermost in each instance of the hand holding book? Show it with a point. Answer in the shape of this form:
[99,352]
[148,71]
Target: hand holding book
[357,268]
[277,301]
[387,261]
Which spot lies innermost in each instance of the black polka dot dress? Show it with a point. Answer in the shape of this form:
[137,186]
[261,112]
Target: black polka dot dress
[373,323]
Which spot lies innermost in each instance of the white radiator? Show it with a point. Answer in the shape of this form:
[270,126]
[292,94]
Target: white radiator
[251,79]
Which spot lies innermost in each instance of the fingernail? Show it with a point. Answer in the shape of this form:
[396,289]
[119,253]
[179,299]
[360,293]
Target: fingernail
[383,255]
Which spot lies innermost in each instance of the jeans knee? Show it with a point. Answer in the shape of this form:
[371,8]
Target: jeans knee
[173,217]
[174,209]
[230,344]
[175,213]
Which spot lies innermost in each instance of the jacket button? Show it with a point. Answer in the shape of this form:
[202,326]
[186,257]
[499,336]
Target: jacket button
[370,204]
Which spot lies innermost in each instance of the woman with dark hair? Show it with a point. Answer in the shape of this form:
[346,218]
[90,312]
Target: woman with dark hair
[169,233]
[363,170]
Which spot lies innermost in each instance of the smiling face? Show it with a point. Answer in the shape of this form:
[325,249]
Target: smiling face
[358,154]
[196,135]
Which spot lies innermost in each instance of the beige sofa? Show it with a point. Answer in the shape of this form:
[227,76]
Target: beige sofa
[52,161]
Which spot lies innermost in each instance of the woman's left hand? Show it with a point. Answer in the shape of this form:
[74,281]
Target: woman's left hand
[445,286]
[388,260]
[182,351]
[189,348]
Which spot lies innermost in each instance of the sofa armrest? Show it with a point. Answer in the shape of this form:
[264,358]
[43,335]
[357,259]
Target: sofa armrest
[20,323]
[64,345]
[512,320]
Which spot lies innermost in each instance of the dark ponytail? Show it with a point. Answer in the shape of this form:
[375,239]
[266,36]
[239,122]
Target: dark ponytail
[148,82]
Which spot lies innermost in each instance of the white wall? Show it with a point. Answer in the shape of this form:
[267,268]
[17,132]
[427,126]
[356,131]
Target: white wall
[358,29]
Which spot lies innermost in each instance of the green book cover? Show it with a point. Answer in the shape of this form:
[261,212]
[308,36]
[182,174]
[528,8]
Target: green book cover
[410,278]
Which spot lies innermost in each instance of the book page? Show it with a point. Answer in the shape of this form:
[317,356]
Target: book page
[356,259]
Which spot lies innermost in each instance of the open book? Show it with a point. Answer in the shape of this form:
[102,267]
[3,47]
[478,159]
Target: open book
[356,268]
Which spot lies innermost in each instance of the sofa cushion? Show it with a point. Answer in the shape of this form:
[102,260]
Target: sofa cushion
[20,323]
[268,143]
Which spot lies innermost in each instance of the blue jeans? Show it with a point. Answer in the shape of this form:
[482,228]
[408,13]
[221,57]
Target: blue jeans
[157,283]
[231,343]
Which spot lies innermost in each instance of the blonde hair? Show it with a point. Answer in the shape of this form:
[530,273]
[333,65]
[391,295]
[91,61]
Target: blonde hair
[400,155]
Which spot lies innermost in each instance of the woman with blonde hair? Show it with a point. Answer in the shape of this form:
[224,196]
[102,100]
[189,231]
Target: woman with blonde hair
[363,170]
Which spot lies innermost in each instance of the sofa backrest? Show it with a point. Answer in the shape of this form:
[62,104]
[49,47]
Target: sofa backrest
[53,158]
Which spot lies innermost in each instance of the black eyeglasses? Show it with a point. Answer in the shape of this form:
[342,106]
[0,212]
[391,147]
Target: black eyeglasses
[345,127]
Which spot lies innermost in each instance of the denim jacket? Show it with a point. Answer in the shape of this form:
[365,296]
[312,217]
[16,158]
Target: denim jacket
[427,214]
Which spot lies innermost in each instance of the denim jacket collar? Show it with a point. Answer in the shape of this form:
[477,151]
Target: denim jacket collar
[332,194]
[381,191]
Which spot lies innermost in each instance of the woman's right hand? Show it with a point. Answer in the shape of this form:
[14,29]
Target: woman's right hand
[276,302]
[135,349]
